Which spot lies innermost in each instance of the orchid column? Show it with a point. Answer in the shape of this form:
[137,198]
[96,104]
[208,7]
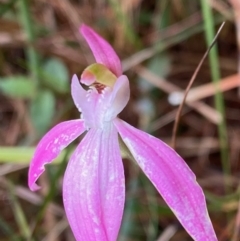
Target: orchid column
[94,185]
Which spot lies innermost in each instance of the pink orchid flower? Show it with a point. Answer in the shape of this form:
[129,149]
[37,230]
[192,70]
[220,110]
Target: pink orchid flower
[94,184]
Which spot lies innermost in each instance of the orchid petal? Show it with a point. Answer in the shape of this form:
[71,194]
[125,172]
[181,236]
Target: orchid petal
[172,178]
[93,187]
[50,147]
[102,50]
[119,97]
[78,93]
[90,103]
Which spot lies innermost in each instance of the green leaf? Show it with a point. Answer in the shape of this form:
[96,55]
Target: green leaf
[18,87]
[55,75]
[42,111]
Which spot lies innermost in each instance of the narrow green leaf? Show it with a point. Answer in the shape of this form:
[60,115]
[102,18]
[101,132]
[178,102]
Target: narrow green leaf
[28,26]
[19,214]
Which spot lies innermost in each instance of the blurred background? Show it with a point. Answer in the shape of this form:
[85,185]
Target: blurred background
[160,42]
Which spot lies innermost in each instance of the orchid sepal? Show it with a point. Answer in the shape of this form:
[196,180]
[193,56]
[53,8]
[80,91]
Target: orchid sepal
[172,178]
[102,50]
[94,199]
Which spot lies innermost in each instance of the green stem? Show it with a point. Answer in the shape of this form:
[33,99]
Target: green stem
[23,155]
[215,75]
[32,56]
[20,155]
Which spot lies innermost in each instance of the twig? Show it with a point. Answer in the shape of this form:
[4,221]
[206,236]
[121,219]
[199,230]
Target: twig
[175,127]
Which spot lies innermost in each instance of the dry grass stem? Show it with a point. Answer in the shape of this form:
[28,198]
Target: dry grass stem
[209,89]
[205,110]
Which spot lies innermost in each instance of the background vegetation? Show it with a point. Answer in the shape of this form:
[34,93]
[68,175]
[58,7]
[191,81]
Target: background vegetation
[161,44]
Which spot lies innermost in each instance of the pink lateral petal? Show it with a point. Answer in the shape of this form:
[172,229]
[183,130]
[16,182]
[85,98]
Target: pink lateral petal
[102,50]
[94,188]
[173,179]
[50,146]
[78,93]
[119,98]
[85,101]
